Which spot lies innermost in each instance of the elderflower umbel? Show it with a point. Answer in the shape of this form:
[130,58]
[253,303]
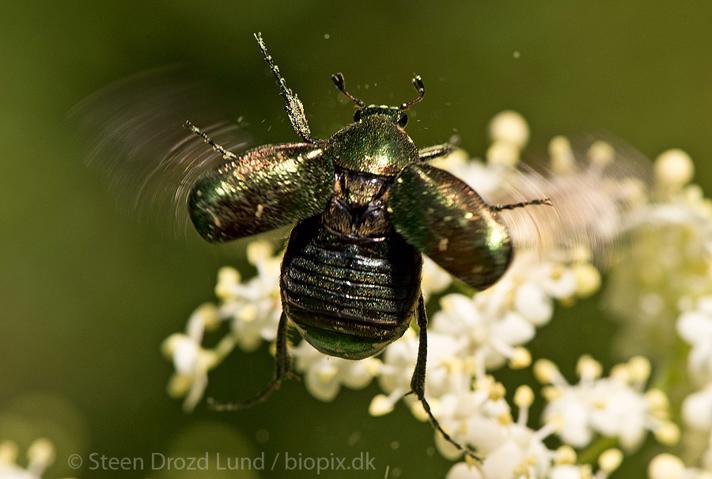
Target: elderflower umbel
[669,261]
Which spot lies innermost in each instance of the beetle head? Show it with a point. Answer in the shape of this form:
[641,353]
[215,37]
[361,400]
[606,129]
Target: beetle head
[397,114]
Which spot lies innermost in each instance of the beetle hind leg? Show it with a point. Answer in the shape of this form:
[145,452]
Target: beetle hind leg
[417,382]
[282,371]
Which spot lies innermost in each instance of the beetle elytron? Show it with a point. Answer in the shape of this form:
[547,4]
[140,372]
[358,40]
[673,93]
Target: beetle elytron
[366,205]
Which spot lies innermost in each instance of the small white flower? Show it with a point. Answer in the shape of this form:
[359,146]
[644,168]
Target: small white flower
[615,406]
[668,466]
[399,363]
[482,329]
[509,127]
[697,410]
[695,327]
[463,470]
[40,455]
[191,361]
[568,471]
[254,305]
[435,279]
[531,301]
[324,375]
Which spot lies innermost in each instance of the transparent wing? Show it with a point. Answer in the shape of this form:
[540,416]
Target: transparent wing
[137,140]
[594,186]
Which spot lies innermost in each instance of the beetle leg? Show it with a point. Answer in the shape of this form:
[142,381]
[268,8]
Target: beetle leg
[227,155]
[283,370]
[292,104]
[512,206]
[435,151]
[417,382]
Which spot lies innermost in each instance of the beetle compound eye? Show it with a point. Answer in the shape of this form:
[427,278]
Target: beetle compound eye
[402,120]
[357,115]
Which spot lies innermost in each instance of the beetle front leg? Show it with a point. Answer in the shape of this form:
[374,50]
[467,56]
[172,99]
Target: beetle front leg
[435,151]
[417,382]
[514,206]
[282,371]
[292,103]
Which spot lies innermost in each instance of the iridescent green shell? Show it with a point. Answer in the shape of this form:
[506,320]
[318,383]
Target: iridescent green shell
[448,221]
[372,145]
[263,189]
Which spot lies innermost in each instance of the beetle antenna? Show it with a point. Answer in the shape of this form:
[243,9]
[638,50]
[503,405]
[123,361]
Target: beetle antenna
[292,103]
[338,79]
[227,155]
[420,86]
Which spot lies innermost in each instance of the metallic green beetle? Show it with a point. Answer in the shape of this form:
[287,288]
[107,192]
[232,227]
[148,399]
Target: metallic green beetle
[366,205]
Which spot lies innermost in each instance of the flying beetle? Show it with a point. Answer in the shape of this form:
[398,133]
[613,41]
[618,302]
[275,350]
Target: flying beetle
[367,205]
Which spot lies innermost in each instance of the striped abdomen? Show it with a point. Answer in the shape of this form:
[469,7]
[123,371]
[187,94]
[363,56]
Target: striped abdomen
[349,297]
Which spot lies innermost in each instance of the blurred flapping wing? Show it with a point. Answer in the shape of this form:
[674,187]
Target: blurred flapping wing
[137,140]
[593,189]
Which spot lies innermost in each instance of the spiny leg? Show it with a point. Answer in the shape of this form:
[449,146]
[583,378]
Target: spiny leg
[417,382]
[435,151]
[513,206]
[227,155]
[282,371]
[294,107]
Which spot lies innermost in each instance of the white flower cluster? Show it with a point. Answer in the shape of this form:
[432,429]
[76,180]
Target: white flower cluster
[695,328]
[471,335]
[251,308]
[616,406]
[40,455]
[668,275]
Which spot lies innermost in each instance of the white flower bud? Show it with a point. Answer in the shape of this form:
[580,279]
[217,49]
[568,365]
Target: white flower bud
[674,169]
[41,455]
[697,410]
[8,452]
[463,470]
[666,466]
[639,368]
[565,455]
[509,127]
[561,156]
[227,279]
[589,368]
[380,405]
[601,154]
[546,371]
[588,279]
[521,358]
[524,397]
[610,460]
[502,153]
[667,433]
[258,251]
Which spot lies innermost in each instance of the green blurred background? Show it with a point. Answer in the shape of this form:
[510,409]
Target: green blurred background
[88,293]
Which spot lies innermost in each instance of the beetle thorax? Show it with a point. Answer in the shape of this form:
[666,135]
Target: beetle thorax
[374,144]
